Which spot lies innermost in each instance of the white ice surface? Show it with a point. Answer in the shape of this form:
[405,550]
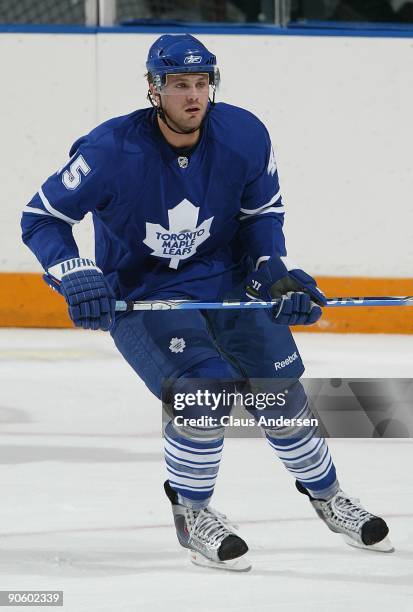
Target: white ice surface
[82,507]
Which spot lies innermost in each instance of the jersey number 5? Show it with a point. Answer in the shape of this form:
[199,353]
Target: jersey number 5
[71,178]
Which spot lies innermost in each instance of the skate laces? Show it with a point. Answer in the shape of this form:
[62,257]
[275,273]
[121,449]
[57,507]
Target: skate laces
[209,526]
[348,511]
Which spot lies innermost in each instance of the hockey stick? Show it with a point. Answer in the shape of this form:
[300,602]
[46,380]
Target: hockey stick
[129,305]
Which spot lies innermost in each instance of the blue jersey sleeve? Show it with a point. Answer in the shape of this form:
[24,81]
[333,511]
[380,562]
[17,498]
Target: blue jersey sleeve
[262,211]
[65,198]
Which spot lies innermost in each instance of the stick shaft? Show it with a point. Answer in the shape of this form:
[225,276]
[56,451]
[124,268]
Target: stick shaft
[122,306]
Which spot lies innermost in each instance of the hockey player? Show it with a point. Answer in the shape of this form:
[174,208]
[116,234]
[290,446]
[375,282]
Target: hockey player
[186,204]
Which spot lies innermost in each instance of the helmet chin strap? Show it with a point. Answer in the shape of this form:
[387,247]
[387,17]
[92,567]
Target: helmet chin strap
[161,114]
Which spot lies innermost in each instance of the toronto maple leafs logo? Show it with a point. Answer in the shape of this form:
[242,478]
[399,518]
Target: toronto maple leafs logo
[182,238]
[177,345]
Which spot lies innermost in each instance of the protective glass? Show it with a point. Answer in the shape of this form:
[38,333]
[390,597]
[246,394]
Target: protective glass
[188,84]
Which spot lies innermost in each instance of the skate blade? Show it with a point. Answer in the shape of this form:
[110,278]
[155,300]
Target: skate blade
[384,546]
[233,565]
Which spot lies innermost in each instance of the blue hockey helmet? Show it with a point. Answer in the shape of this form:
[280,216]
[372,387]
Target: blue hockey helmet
[178,54]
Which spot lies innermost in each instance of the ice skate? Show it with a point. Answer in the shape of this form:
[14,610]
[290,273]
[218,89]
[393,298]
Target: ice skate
[345,515]
[208,536]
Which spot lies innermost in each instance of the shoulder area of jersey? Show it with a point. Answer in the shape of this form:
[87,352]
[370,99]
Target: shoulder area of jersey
[115,133]
[244,124]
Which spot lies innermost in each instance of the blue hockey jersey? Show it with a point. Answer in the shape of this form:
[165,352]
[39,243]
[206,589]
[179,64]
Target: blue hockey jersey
[165,226]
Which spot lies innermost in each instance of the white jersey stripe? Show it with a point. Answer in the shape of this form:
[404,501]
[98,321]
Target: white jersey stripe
[276,209]
[255,211]
[279,210]
[53,211]
[36,211]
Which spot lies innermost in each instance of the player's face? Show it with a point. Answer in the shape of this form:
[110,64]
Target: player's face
[185,100]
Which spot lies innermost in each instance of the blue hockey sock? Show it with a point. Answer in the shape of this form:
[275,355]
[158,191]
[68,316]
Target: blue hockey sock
[309,461]
[192,464]
[302,449]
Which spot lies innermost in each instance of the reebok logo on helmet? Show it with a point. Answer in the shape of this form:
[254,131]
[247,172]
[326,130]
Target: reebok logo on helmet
[193,59]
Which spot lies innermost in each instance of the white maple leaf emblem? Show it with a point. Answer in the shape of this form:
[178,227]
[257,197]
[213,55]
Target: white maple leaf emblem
[182,238]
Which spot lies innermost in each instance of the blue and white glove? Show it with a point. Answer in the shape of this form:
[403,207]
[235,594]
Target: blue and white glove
[300,298]
[89,298]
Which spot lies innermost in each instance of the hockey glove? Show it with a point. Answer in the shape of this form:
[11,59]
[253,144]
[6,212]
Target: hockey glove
[300,298]
[90,300]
